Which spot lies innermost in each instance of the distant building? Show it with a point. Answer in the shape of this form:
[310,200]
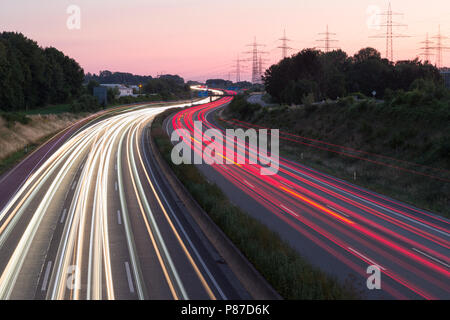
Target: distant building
[123,90]
[101,93]
[446,75]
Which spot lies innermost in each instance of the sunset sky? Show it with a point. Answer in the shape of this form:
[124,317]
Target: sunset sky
[199,39]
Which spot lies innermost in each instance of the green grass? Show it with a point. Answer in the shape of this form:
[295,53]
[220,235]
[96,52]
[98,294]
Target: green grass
[50,109]
[289,274]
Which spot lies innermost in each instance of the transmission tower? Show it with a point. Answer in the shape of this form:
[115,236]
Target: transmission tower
[328,41]
[238,68]
[390,35]
[439,47]
[284,45]
[261,63]
[427,49]
[255,52]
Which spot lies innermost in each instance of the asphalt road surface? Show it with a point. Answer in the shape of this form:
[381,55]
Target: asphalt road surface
[337,226]
[89,216]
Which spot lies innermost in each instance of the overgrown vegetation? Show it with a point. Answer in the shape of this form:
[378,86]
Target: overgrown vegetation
[411,126]
[164,88]
[290,275]
[109,77]
[20,134]
[169,87]
[17,156]
[334,74]
[31,76]
[12,117]
[86,103]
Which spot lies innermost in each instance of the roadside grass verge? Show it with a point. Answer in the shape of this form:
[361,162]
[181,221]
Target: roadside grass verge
[288,273]
[16,157]
[50,109]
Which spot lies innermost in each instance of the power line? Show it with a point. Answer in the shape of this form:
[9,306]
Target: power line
[284,45]
[427,49]
[255,52]
[327,40]
[237,68]
[262,61]
[390,35]
[439,47]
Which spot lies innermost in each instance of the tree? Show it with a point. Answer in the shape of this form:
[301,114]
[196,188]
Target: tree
[406,72]
[31,77]
[91,85]
[112,94]
[86,103]
[368,73]
[334,74]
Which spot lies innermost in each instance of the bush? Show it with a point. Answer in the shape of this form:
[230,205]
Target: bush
[86,103]
[308,99]
[240,108]
[13,117]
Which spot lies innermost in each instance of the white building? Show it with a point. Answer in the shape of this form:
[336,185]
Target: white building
[123,90]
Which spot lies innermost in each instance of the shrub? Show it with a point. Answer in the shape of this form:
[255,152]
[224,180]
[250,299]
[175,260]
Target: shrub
[240,108]
[13,117]
[86,103]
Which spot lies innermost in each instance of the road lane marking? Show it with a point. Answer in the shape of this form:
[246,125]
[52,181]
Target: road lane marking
[249,184]
[74,185]
[338,211]
[366,258]
[63,215]
[288,210]
[359,199]
[287,185]
[47,274]
[119,219]
[431,257]
[181,228]
[315,204]
[152,227]
[115,185]
[126,224]
[130,281]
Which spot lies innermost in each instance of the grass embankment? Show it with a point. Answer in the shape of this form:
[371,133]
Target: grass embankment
[401,128]
[20,134]
[289,274]
[50,109]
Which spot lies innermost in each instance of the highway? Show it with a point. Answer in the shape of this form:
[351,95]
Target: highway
[337,226]
[91,217]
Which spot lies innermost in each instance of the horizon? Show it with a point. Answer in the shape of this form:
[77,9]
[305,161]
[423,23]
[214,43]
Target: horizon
[198,47]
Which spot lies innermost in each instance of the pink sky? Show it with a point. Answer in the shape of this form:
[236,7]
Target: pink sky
[199,39]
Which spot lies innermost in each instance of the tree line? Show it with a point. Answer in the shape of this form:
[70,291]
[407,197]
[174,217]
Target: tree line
[31,76]
[315,75]
[108,77]
[164,88]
